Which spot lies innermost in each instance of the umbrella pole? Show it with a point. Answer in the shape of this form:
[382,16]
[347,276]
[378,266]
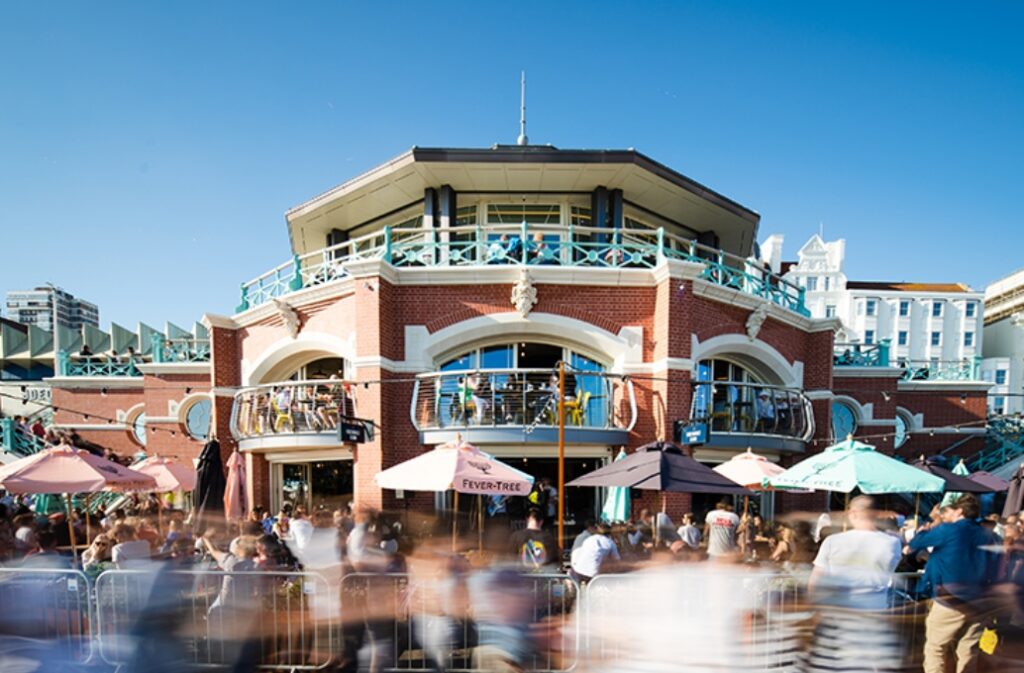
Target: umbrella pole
[561,455]
[480,522]
[917,510]
[71,530]
[846,512]
[88,527]
[746,504]
[455,519]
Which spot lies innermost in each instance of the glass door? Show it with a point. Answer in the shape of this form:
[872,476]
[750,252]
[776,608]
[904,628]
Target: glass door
[293,485]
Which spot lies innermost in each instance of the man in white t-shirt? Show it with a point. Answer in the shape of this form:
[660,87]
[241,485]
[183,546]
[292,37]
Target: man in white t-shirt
[854,568]
[720,527]
[595,552]
[301,529]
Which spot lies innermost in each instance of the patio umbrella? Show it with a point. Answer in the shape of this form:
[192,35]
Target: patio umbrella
[1015,494]
[208,496]
[66,469]
[169,475]
[616,505]
[751,471]
[661,466]
[988,479]
[460,467]
[851,465]
[956,483]
[234,492]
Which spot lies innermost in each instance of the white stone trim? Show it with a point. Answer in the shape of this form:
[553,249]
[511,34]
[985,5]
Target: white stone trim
[866,372]
[308,295]
[728,295]
[662,365]
[307,341]
[161,419]
[85,426]
[95,382]
[304,455]
[944,386]
[159,369]
[378,362]
[791,375]
[819,395]
[211,320]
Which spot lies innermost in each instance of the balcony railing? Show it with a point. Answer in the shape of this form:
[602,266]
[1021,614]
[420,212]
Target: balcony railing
[752,409]
[967,369]
[18,442]
[522,245]
[292,408]
[527,398]
[861,355]
[96,365]
[180,350]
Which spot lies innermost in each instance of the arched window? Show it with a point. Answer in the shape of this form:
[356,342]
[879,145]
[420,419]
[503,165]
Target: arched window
[197,419]
[844,421]
[734,398]
[903,425]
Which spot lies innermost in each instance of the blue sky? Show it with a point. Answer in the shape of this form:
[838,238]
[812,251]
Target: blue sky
[148,150]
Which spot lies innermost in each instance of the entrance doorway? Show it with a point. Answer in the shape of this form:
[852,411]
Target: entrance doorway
[321,484]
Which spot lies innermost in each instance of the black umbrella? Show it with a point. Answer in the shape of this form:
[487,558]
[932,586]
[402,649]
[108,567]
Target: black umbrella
[208,496]
[954,482]
[661,466]
[1015,496]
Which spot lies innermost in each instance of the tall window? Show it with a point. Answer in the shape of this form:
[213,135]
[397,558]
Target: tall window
[999,405]
[936,338]
[969,309]
[1000,377]
[901,338]
[869,336]
[830,311]
[812,283]
[904,308]
[968,339]
[871,307]
[936,309]
[827,280]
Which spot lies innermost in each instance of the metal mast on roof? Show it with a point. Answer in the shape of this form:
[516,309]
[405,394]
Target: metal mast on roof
[522,139]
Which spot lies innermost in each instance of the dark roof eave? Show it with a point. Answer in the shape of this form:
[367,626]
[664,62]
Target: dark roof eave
[552,155]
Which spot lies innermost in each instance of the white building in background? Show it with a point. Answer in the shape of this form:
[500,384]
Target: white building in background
[1004,344]
[39,306]
[924,323]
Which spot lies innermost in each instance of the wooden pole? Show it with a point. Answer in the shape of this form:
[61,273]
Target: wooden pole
[561,456]
[917,511]
[480,522]
[846,512]
[455,519]
[88,527]
[71,530]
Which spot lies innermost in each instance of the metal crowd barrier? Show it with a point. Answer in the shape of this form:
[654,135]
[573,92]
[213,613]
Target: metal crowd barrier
[213,618]
[452,622]
[47,615]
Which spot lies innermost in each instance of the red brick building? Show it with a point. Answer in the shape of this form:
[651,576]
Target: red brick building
[435,295]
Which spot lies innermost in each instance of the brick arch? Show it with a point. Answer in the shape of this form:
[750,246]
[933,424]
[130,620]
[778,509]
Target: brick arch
[573,312]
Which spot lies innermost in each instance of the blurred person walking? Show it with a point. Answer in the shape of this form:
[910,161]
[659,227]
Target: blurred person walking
[961,567]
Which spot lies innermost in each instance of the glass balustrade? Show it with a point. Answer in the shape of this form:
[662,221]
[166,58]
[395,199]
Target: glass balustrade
[292,407]
[522,397]
[752,408]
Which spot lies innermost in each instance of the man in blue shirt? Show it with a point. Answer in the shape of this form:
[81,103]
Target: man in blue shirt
[961,567]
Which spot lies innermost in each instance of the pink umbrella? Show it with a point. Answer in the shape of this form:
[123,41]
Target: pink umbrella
[234,493]
[169,475]
[65,469]
[461,467]
[750,470]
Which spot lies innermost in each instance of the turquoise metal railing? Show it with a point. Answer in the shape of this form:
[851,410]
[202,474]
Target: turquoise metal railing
[967,369]
[1004,441]
[180,350]
[522,245]
[861,355]
[94,366]
[16,441]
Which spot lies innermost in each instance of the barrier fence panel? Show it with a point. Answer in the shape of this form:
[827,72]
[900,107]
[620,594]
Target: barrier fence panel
[46,613]
[411,624]
[278,620]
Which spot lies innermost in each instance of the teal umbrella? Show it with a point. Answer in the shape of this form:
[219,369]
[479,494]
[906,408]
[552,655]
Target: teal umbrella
[851,465]
[961,471]
[616,505]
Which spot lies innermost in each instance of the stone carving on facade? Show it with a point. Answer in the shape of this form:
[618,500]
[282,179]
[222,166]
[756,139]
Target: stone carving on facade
[756,320]
[524,294]
[288,316]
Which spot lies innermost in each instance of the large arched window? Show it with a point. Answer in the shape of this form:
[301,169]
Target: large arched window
[732,397]
[511,383]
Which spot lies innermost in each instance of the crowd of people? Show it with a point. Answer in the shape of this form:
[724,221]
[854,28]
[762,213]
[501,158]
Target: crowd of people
[968,566]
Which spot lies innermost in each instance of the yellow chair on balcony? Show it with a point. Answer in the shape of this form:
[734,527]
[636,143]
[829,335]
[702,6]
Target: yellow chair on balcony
[576,409]
[282,415]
